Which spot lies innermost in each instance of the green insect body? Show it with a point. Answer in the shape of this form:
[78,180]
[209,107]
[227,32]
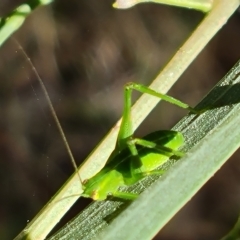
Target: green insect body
[125,169]
[134,158]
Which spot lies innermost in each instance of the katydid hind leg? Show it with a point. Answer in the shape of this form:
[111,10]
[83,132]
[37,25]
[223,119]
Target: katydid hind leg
[126,131]
[152,145]
[136,157]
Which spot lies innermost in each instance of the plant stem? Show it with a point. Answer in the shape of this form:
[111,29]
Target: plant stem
[201,5]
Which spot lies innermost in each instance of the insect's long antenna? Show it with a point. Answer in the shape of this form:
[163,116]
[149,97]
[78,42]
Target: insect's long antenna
[51,107]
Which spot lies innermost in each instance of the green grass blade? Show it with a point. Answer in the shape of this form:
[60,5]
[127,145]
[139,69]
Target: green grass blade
[211,138]
[13,23]
[201,5]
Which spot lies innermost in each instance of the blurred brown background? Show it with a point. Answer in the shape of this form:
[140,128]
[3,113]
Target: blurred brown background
[85,51]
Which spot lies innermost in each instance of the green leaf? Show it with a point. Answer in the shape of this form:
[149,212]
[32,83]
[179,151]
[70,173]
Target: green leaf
[14,21]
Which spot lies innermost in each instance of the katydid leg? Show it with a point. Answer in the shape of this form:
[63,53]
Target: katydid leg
[149,144]
[126,131]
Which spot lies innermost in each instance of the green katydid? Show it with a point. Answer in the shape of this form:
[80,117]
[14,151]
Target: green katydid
[134,158]
[122,167]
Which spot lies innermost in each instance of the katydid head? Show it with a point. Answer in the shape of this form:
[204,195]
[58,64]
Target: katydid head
[102,184]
